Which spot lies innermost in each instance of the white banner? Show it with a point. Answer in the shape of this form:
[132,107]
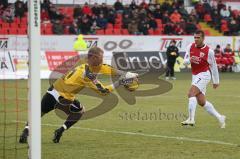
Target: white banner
[115,43]
[56,49]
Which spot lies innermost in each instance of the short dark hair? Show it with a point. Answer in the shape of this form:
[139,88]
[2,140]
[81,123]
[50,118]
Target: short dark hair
[94,51]
[173,41]
[200,32]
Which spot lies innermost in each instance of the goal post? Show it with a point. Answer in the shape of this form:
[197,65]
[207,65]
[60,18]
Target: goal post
[34,108]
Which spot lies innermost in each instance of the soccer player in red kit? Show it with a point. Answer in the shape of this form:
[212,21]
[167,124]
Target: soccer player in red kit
[204,68]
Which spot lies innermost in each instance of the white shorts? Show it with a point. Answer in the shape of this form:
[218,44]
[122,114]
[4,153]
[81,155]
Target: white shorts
[201,81]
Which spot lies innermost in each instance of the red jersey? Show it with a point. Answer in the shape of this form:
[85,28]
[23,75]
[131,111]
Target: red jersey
[201,60]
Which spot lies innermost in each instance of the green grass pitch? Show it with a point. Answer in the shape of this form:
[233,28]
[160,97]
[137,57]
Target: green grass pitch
[128,131]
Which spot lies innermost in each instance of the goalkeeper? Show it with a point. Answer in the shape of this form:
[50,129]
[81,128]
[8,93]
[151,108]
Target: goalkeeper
[62,93]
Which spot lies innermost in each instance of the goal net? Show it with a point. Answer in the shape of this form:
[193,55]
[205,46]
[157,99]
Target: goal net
[20,84]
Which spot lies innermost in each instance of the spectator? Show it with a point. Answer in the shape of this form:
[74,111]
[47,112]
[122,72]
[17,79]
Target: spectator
[233,27]
[152,23]
[127,10]
[133,5]
[199,9]
[118,6]
[85,26]
[190,28]
[8,14]
[178,30]
[143,5]
[175,17]
[218,51]
[96,9]
[172,54]
[166,6]
[133,28]
[125,21]
[206,6]
[102,21]
[19,9]
[157,13]
[104,9]
[58,28]
[111,16]
[3,4]
[67,21]
[54,14]
[94,28]
[151,8]
[169,28]
[165,17]
[143,27]
[220,6]
[86,9]
[46,5]
[224,13]
[228,49]
[74,29]
[183,12]
[44,15]
[77,12]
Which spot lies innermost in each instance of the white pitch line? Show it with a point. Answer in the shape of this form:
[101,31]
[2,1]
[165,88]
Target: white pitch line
[148,135]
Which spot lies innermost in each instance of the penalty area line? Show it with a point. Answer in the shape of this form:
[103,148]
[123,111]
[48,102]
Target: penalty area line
[148,135]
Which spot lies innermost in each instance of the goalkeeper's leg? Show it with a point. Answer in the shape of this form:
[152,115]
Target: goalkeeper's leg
[47,104]
[75,112]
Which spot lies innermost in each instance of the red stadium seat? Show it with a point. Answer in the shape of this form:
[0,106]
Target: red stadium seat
[125,32]
[109,26]
[109,32]
[3,31]
[5,25]
[207,32]
[117,26]
[22,31]
[100,32]
[157,31]
[14,25]
[207,18]
[13,31]
[48,31]
[117,31]
[150,31]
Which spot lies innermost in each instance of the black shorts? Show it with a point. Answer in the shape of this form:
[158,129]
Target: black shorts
[49,103]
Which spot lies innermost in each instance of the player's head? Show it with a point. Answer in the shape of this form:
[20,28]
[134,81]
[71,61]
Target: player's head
[199,38]
[95,56]
[173,42]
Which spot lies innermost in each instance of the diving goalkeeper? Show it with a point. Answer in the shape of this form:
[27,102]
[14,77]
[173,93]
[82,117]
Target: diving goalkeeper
[62,93]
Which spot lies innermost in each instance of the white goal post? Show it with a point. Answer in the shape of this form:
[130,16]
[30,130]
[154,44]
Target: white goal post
[34,108]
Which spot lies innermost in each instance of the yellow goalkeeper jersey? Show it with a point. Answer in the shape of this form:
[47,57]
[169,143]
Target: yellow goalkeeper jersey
[75,80]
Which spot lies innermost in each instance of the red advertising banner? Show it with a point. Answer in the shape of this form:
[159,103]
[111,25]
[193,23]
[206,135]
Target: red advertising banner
[61,61]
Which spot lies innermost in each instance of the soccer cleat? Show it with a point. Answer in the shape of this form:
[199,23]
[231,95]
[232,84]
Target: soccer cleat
[222,121]
[188,122]
[167,78]
[24,136]
[173,78]
[57,135]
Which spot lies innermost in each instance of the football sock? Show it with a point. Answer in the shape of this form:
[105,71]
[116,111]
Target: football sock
[72,119]
[192,104]
[211,110]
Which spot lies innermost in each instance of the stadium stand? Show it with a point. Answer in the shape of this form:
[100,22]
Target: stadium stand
[108,18]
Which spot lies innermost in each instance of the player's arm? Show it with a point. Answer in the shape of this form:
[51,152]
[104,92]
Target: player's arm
[101,89]
[109,70]
[213,68]
[186,60]
[177,53]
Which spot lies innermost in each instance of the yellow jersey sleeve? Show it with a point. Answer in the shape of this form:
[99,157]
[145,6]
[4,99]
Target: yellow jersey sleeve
[93,86]
[104,69]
